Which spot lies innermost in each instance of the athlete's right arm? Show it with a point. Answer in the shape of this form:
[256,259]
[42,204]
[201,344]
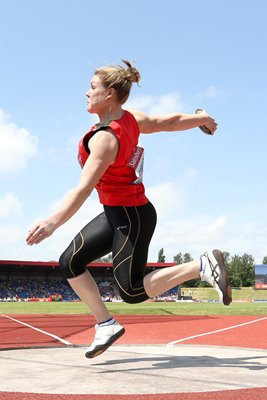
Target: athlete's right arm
[103,152]
[173,122]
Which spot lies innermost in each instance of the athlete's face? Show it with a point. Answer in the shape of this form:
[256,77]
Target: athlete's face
[97,96]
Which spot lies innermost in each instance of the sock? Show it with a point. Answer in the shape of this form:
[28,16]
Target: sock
[202,264]
[109,321]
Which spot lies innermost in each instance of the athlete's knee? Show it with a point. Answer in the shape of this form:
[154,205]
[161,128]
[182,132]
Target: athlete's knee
[69,266]
[131,296]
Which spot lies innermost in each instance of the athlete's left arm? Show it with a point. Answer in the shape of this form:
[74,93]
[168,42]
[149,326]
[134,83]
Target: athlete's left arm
[173,122]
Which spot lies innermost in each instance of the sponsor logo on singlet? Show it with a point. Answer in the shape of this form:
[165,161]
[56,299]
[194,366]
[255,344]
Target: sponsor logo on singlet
[137,163]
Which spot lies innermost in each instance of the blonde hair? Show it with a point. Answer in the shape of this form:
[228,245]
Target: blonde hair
[120,78]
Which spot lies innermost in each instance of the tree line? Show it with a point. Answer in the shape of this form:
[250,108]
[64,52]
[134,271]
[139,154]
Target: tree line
[240,268]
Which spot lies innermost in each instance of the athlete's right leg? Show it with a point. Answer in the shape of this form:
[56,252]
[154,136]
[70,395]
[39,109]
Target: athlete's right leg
[210,268]
[92,242]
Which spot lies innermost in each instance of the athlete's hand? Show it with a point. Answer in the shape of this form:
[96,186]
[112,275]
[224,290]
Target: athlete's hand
[39,232]
[209,125]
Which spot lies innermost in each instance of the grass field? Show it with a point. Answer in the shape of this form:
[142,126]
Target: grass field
[238,307]
[244,294]
[164,308]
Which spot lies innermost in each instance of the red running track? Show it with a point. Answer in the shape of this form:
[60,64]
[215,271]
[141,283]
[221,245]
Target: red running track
[18,331]
[244,394]
[149,329]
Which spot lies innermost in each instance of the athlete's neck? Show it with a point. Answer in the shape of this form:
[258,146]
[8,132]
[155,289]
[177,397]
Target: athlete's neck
[110,116]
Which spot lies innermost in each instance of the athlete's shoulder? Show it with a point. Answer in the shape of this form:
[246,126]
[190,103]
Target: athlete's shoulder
[141,119]
[139,116]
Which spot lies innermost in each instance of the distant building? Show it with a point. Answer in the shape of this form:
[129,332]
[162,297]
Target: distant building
[261,276]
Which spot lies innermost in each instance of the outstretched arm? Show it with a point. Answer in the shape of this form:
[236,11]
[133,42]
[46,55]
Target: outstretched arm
[103,152]
[173,122]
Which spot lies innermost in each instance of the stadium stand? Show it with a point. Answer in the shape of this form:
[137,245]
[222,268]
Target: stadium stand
[42,281]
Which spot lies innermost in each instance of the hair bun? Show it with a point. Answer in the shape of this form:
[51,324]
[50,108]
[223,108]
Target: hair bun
[132,73]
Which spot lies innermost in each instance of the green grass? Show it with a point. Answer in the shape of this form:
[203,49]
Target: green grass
[242,294]
[163,308]
[181,308]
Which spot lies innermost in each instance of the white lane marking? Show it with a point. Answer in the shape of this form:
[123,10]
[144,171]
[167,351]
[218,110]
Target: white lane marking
[38,330]
[211,332]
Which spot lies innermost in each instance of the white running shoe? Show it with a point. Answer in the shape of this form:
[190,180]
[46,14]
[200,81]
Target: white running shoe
[214,272]
[104,337]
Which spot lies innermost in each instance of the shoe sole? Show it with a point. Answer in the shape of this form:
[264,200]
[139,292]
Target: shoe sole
[101,348]
[223,282]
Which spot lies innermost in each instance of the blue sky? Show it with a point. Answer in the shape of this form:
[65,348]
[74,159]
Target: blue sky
[209,192]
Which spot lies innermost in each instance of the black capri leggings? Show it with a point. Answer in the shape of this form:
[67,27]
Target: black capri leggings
[127,232]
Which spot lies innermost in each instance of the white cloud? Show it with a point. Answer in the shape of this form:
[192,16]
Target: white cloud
[193,235]
[168,103]
[18,145]
[89,210]
[10,206]
[200,233]
[52,247]
[167,198]
[163,104]
[174,232]
[10,235]
[209,92]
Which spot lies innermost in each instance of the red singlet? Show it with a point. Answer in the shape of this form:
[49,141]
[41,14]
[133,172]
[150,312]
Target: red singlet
[121,184]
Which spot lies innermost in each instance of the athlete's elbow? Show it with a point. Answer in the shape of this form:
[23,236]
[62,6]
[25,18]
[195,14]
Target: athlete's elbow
[83,191]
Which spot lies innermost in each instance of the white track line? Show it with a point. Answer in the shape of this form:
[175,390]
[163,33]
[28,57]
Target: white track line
[211,332]
[38,330]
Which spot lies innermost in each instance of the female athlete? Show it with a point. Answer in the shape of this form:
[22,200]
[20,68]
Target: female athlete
[112,162]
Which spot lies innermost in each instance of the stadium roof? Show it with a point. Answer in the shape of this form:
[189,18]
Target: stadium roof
[21,263]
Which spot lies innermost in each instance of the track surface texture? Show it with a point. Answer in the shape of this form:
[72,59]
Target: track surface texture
[159,357]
